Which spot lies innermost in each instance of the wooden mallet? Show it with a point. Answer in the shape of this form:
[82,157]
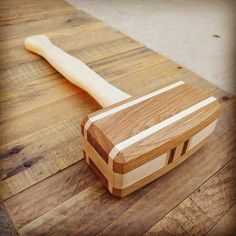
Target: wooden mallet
[134,140]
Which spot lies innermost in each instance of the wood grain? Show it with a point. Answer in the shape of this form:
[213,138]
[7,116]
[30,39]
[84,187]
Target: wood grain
[30,8]
[59,188]
[47,197]
[130,167]
[7,228]
[42,23]
[226,225]
[85,41]
[161,199]
[205,206]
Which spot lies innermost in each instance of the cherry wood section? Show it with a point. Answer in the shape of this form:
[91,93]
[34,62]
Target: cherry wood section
[46,185]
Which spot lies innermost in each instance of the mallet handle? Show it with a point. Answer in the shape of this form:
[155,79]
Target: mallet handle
[76,71]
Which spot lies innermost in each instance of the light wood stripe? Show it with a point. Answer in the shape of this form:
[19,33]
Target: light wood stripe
[125,180]
[197,138]
[151,130]
[125,191]
[129,104]
[95,157]
[121,181]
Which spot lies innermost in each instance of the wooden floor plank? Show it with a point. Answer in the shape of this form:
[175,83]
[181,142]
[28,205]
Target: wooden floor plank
[226,225]
[46,116]
[7,228]
[30,8]
[84,218]
[42,154]
[166,226]
[127,63]
[76,40]
[43,23]
[205,206]
[160,75]
[79,201]
[48,194]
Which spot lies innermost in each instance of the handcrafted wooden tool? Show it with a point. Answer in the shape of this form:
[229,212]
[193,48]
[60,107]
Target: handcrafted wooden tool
[134,140]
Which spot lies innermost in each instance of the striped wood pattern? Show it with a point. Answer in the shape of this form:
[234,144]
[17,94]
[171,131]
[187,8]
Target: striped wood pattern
[132,142]
[48,188]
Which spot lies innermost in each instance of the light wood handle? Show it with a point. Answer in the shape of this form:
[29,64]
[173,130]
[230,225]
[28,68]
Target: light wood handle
[76,71]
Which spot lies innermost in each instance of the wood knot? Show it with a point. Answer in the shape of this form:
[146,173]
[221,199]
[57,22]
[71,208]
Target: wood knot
[179,67]
[27,164]
[225,98]
[13,151]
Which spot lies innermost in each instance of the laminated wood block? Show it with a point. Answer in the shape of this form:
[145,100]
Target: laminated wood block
[135,141]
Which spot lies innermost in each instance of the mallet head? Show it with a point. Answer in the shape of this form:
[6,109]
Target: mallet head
[134,142]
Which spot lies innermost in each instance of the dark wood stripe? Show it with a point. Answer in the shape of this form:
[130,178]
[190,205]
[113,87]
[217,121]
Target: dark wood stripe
[99,174]
[84,154]
[172,154]
[185,147]
[84,121]
[121,168]
[117,192]
[93,142]
[154,176]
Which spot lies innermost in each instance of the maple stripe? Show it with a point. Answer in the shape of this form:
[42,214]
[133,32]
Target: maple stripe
[197,138]
[151,130]
[129,104]
[122,181]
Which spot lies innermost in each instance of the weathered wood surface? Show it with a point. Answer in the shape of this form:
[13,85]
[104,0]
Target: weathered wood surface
[226,225]
[204,207]
[45,183]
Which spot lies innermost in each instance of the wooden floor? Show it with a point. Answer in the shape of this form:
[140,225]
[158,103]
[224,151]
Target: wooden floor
[46,186]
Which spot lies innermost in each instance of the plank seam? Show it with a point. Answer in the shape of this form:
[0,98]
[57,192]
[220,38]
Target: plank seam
[192,191]
[219,219]
[173,207]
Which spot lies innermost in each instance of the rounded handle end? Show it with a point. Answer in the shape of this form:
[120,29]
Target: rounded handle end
[36,43]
